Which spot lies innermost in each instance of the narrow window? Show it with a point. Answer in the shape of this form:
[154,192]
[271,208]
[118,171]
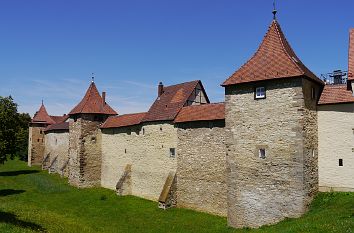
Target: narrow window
[260,93]
[160,128]
[172,152]
[341,162]
[125,151]
[41,132]
[313,153]
[313,93]
[143,131]
[38,140]
[262,153]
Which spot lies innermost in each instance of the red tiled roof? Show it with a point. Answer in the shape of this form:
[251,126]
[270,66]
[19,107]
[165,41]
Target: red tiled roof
[335,94]
[41,116]
[59,119]
[273,59]
[173,98]
[123,120]
[58,126]
[205,112]
[92,103]
[351,55]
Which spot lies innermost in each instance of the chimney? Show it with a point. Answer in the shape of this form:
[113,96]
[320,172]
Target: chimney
[160,89]
[103,98]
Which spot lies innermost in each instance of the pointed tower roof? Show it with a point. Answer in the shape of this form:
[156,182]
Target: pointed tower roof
[92,103]
[273,59]
[351,55]
[42,116]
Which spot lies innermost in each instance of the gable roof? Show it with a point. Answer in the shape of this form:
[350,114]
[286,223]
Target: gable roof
[92,103]
[59,119]
[204,112]
[123,120]
[351,55]
[335,94]
[274,59]
[58,126]
[41,116]
[173,98]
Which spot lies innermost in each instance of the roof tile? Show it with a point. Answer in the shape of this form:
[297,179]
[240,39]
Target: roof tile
[42,116]
[205,112]
[335,94]
[58,126]
[173,98]
[351,55]
[123,120]
[273,59]
[92,103]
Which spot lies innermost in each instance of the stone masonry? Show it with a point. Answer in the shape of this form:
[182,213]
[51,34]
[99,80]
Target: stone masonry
[57,146]
[147,148]
[36,144]
[265,191]
[84,151]
[201,167]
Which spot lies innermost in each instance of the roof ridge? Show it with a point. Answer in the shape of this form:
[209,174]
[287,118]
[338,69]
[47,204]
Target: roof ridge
[182,83]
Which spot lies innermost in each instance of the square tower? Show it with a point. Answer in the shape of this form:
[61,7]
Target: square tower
[85,139]
[271,146]
[36,143]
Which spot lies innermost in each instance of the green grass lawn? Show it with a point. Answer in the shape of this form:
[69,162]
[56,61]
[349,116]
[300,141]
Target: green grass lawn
[32,200]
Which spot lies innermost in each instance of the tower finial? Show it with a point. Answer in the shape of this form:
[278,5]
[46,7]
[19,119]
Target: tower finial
[274,11]
[93,77]
[42,101]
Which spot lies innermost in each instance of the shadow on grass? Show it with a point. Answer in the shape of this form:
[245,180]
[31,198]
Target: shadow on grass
[12,219]
[16,173]
[7,192]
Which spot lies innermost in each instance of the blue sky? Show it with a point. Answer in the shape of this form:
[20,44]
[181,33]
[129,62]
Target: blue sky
[50,48]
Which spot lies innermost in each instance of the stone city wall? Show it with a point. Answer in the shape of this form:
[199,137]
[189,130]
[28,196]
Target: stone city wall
[336,141]
[201,167]
[146,148]
[57,146]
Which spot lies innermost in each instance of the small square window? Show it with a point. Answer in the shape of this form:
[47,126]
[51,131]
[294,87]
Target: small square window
[172,152]
[260,93]
[341,162]
[262,153]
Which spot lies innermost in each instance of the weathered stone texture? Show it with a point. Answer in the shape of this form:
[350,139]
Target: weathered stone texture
[147,148]
[57,146]
[201,167]
[335,126]
[265,191]
[36,144]
[84,152]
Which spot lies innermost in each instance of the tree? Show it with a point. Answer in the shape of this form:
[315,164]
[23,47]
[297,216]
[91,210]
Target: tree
[13,130]
[22,136]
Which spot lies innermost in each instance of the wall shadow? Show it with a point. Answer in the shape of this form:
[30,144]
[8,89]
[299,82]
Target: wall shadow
[16,173]
[12,219]
[7,192]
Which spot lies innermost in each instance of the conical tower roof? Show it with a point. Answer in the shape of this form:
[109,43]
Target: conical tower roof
[42,116]
[92,103]
[274,59]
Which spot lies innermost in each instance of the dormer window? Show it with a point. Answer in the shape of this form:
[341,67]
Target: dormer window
[260,93]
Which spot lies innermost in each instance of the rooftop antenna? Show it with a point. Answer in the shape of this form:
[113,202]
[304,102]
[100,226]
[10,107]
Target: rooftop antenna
[93,77]
[274,11]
